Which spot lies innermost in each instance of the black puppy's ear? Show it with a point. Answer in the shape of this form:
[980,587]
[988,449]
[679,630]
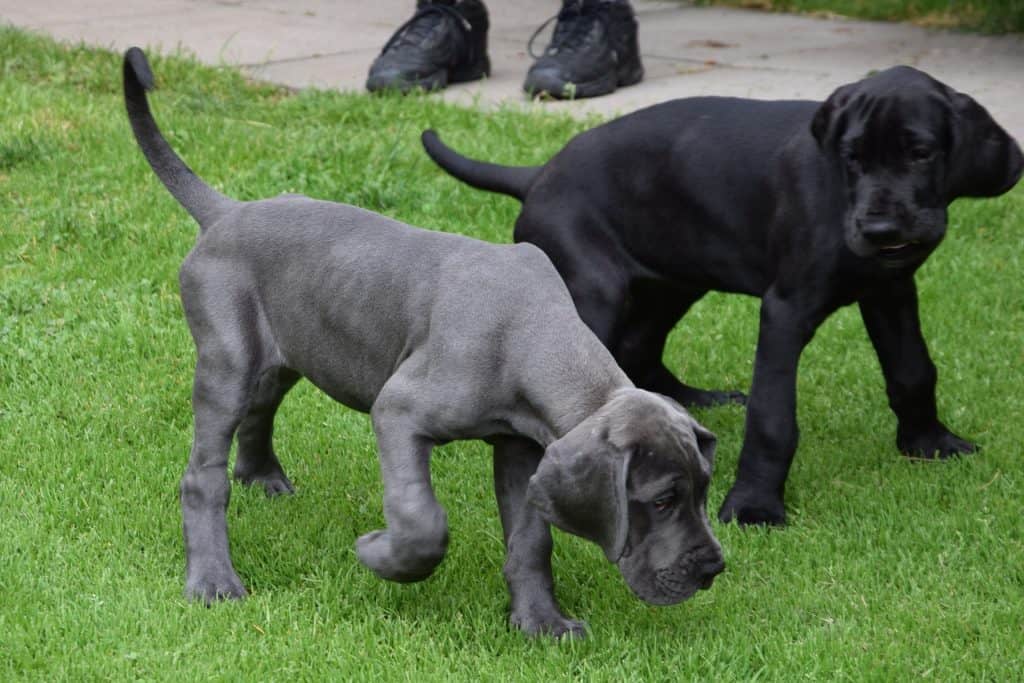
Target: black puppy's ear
[821,120]
[827,116]
[984,161]
[580,487]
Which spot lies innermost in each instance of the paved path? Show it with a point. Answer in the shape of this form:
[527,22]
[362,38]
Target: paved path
[686,50]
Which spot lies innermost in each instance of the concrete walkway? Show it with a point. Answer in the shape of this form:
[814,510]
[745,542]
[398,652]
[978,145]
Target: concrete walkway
[686,50]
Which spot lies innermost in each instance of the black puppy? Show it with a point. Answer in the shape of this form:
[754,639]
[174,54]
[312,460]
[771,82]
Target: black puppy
[808,205]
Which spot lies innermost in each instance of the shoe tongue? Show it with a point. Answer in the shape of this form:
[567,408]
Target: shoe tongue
[424,32]
[575,22]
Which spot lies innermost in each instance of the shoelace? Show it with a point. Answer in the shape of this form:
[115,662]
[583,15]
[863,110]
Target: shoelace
[574,23]
[411,30]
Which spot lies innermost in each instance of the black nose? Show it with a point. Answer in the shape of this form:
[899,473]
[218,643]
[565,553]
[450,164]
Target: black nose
[708,570]
[880,230]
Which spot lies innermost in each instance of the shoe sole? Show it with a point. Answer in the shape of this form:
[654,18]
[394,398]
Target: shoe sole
[437,80]
[567,90]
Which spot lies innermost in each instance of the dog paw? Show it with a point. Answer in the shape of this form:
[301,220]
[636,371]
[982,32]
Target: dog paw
[274,484]
[377,552]
[705,398]
[273,480]
[548,623]
[212,587]
[937,443]
[747,507]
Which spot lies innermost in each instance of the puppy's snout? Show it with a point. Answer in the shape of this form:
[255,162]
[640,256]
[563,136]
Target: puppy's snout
[879,231]
[1016,163]
[708,570]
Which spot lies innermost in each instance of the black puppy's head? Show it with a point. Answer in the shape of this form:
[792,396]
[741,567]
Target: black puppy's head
[906,146]
[633,478]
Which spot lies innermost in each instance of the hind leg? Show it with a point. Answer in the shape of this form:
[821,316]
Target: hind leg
[592,270]
[219,400]
[653,312]
[231,356]
[631,318]
[256,462]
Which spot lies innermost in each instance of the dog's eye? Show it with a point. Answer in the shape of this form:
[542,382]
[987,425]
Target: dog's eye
[921,154]
[665,502]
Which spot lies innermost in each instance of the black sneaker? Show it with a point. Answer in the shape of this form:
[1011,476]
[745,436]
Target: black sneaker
[444,42]
[593,51]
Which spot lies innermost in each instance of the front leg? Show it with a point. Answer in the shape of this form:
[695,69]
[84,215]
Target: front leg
[892,322]
[416,537]
[527,543]
[787,325]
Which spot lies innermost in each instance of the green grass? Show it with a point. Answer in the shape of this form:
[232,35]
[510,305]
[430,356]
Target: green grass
[988,16]
[888,569]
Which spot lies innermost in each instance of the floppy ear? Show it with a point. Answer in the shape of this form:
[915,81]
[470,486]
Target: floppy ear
[580,487]
[707,442]
[827,121]
[821,120]
[984,160]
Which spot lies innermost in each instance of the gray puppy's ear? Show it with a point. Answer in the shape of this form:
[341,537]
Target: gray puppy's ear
[984,161]
[707,442]
[580,487]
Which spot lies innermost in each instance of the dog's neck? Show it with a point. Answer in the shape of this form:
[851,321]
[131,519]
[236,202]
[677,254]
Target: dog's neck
[569,380]
[563,419]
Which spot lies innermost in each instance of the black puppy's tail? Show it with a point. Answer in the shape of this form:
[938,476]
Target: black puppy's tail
[199,199]
[510,180]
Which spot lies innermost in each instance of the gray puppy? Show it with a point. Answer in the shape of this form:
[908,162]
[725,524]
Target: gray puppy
[439,337]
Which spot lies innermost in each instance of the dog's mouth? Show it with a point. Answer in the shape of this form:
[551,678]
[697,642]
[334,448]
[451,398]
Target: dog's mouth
[898,247]
[902,252]
[671,587]
[669,592]
[895,242]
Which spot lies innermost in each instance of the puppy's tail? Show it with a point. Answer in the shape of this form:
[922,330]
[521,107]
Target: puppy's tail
[510,180]
[199,199]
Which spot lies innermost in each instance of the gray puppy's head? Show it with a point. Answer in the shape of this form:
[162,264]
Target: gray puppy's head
[906,146]
[633,478]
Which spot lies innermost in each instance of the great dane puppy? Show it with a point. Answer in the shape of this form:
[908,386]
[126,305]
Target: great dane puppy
[439,337]
[808,205]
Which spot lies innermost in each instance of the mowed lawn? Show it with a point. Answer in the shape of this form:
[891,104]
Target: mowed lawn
[889,569]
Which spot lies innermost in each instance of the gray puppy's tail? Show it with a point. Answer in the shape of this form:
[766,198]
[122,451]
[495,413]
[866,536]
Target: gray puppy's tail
[510,180]
[199,199]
